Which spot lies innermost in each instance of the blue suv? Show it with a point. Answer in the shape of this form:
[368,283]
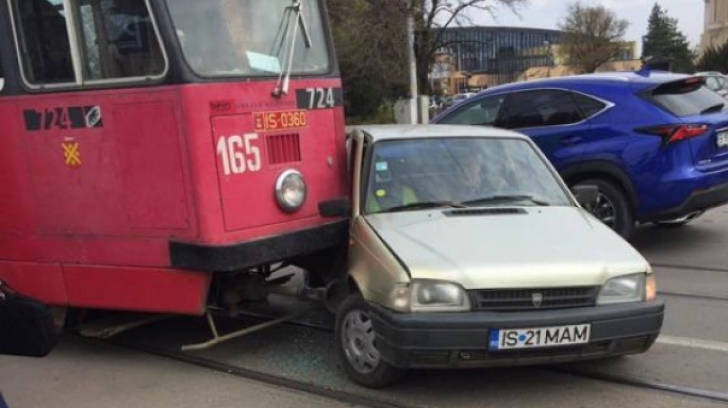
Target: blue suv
[654,143]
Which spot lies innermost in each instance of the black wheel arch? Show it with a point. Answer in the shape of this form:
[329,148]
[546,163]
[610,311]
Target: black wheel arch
[601,169]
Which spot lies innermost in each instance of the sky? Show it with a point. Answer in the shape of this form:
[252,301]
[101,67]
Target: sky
[548,13]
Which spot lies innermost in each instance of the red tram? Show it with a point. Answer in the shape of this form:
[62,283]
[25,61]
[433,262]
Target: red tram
[158,153]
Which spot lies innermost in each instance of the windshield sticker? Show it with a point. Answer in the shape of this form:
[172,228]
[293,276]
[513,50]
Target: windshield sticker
[382,166]
[264,62]
[381,193]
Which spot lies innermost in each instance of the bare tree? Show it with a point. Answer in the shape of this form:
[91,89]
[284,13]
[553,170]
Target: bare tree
[433,17]
[371,46]
[591,36]
[371,42]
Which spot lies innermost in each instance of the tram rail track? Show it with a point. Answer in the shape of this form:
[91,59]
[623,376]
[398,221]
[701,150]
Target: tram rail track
[261,377]
[367,401]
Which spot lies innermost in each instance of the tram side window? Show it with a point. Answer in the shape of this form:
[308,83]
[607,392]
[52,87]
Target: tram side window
[118,40]
[44,42]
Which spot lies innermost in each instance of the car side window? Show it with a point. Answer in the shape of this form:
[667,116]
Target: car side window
[589,106]
[481,112]
[541,108]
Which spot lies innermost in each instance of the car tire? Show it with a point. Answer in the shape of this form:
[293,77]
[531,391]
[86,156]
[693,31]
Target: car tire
[613,207]
[356,346]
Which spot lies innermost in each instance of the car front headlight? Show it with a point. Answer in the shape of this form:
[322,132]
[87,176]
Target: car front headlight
[290,190]
[623,289]
[430,296]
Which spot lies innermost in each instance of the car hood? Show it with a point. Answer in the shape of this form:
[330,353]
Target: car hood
[533,247]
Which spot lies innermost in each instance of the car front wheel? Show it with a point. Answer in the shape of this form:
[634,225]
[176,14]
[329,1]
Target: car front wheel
[356,345]
[612,207]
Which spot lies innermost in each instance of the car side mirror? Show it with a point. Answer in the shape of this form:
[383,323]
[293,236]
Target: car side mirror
[340,207]
[586,196]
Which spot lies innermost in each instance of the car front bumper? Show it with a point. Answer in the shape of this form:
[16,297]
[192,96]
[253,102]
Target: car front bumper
[442,340]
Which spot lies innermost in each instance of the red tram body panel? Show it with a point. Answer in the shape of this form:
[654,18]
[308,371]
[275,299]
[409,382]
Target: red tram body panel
[133,198]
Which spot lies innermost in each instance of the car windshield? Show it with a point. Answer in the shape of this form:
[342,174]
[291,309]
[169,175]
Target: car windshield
[456,172]
[250,37]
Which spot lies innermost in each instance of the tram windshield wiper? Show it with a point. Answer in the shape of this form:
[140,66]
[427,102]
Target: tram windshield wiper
[292,12]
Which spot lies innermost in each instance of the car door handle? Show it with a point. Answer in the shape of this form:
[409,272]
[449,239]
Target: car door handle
[571,140]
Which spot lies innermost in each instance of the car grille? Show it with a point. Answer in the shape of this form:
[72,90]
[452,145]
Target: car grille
[527,299]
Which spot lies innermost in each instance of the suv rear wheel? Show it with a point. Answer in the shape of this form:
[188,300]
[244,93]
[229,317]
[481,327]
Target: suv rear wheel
[612,207]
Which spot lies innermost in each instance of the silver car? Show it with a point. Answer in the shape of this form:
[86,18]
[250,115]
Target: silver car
[467,250]
[716,82]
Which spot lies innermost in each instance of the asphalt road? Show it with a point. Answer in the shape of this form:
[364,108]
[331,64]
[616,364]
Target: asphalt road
[691,264]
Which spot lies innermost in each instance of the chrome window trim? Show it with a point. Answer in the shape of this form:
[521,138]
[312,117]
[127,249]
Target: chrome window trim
[71,28]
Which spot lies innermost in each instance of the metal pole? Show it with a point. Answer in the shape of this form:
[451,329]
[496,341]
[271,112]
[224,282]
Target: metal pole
[411,55]
[413,68]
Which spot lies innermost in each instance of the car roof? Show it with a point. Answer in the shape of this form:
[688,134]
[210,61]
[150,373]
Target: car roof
[390,132]
[627,77]
[644,80]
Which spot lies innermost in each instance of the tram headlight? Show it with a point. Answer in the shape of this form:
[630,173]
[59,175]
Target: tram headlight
[291,190]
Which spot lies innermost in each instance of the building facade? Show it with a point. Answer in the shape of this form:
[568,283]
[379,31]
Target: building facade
[503,52]
[473,58]
[715,31]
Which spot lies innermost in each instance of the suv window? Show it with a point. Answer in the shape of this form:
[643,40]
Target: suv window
[589,106]
[481,112]
[541,108]
[44,41]
[686,97]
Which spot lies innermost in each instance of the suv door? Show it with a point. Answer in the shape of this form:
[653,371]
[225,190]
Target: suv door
[552,118]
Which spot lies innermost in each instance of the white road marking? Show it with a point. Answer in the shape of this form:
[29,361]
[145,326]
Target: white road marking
[693,343]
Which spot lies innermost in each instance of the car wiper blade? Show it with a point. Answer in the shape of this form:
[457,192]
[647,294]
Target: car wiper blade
[425,205]
[497,198]
[715,108]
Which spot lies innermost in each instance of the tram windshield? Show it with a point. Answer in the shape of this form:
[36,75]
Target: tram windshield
[251,37]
